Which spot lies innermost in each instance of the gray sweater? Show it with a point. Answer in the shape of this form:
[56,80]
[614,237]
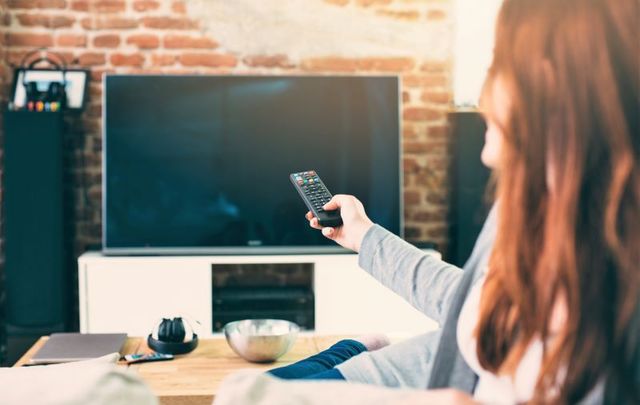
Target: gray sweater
[433,287]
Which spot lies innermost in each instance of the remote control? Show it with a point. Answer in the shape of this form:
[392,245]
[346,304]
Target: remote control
[315,195]
[143,358]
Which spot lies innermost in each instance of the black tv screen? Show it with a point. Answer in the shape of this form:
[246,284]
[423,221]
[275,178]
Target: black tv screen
[201,163]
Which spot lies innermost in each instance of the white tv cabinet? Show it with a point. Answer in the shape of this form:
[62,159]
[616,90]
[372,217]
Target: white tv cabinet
[129,293]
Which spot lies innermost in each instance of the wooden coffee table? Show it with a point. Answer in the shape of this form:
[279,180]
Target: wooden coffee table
[194,378]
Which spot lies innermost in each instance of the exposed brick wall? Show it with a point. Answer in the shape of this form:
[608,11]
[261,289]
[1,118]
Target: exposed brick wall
[199,36]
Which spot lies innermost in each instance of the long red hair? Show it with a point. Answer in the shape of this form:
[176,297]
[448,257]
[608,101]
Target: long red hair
[571,69]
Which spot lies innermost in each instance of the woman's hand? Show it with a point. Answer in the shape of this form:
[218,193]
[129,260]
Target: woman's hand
[355,222]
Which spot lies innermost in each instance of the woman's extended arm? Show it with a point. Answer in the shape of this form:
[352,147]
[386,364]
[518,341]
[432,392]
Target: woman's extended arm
[424,281]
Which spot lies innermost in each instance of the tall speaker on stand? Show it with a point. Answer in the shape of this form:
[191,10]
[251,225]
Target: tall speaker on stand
[37,277]
[468,206]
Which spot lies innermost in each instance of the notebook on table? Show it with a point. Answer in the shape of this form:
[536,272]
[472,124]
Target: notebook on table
[67,347]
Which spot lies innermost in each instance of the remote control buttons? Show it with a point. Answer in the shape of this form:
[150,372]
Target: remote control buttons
[316,195]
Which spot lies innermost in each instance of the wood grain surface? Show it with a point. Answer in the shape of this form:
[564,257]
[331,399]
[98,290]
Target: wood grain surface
[194,378]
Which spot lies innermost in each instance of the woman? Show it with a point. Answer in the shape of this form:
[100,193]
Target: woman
[555,315]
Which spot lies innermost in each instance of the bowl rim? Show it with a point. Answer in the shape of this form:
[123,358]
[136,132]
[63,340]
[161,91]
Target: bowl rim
[294,327]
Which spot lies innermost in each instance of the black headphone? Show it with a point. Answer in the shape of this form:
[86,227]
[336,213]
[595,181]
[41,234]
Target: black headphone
[173,336]
[56,91]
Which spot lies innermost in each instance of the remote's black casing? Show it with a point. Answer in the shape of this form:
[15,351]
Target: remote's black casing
[315,194]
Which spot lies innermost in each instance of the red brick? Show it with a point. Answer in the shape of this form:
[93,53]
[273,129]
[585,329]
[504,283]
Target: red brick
[411,232]
[437,232]
[337,2]
[269,61]
[386,64]
[411,197]
[48,21]
[15,57]
[436,97]
[367,3]
[99,23]
[145,5]
[163,60]
[175,23]
[406,97]
[430,216]
[80,5]
[109,6]
[438,158]
[94,110]
[436,198]
[438,132]
[331,64]
[421,114]
[13,4]
[31,40]
[97,147]
[106,41]
[424,81]
[92,126]
[410,15]
[410,165]
[435,67]
[408,131]
[92,59]
[68,57]
[144,41]
[439,146]
[179,7]
[185,41]
[432,180]
[438,162]
[414,147]
[436,15]
[99,6]
[72,40]
[95,193]
[135,59]
[95,91]
[209,60]
[96,74]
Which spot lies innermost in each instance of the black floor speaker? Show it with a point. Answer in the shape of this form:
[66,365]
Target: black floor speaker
[468,206]
[37,277]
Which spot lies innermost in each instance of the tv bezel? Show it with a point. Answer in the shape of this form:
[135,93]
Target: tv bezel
[236,250]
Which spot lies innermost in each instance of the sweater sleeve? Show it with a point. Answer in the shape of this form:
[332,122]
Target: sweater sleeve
[426,282]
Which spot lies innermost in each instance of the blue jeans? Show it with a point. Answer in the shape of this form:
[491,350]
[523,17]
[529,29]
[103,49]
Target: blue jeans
[321,366]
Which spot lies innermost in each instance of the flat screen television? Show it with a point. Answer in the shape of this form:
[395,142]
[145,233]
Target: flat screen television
[200,164]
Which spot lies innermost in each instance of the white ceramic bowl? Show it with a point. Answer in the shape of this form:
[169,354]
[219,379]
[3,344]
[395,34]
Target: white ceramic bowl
[261,340]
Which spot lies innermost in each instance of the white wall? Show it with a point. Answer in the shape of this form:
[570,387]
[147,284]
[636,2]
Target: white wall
[473,49]
[311,28]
